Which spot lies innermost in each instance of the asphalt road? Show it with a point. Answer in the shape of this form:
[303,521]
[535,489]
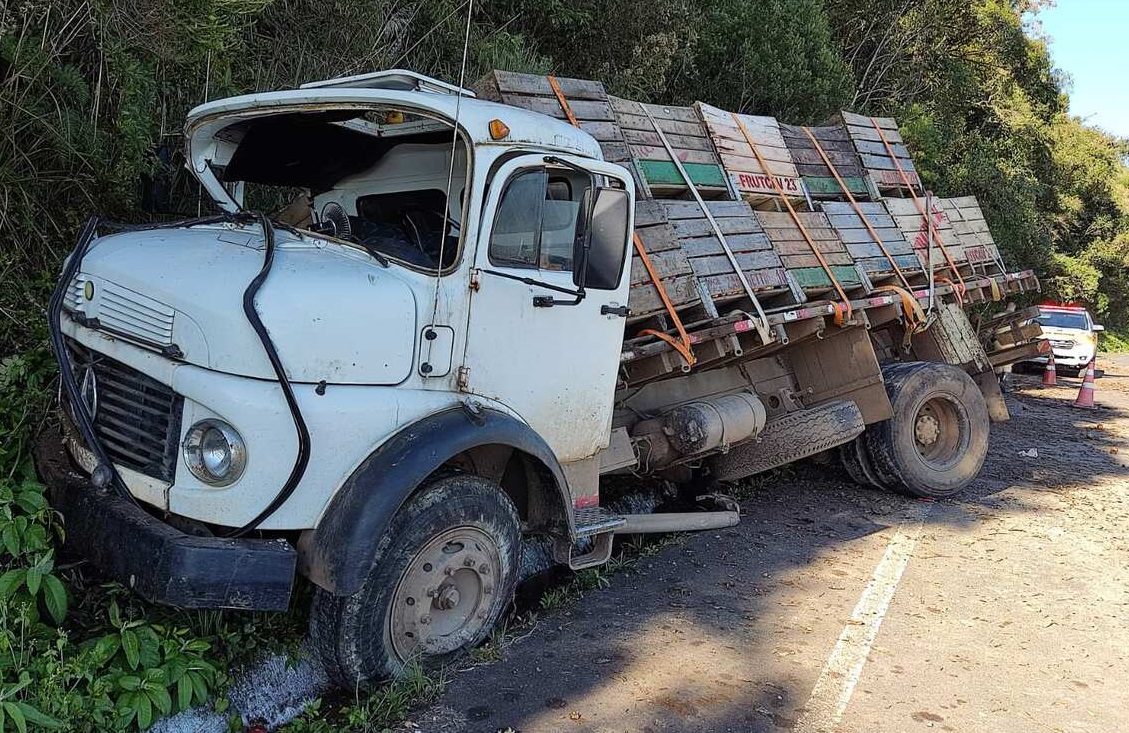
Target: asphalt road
[835,608]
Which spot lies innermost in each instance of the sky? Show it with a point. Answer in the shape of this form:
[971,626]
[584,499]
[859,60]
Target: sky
[1089,40]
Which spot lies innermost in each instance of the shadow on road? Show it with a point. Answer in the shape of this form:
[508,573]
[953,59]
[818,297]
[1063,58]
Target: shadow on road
[717,633]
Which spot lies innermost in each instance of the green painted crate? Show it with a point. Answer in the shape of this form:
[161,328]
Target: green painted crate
[815,277]
[665,173]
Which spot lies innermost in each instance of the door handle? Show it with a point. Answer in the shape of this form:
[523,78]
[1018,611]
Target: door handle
[615,310]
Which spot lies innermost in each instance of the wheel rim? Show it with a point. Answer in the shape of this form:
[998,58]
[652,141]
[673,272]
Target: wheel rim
[442,601]
[940,432]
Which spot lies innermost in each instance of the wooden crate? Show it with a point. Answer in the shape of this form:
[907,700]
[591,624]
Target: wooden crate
[588,101]
[796,253]
[860,243]
[968,222]
[881,167]
[817,177]
[688,139]
[913,226]
[747,176]
[689,259]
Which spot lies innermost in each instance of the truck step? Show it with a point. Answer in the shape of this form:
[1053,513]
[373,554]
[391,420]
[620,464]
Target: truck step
[596,520]
[594,532]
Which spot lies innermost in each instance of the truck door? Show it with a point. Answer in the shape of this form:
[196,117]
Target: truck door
[530,344]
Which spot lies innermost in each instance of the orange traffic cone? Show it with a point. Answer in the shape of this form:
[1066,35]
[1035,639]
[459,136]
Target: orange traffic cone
[1050,375]
[1086,393]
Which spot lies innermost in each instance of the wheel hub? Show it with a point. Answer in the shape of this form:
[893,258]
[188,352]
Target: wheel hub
[447,598]
[444,596]
[927,429]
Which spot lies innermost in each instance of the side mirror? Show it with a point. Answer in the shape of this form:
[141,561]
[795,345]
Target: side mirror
[1097,327]
[603,240]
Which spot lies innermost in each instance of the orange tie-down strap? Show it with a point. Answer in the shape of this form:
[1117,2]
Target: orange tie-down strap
[842,310]
[854,205]
[917,202]
[914,313]
[682,343]
[556,87]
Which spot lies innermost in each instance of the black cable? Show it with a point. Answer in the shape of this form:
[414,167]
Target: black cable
[303,458]
[70,384]
[104,473]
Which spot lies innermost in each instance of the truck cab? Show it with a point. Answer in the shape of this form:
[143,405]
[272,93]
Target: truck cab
[246,395]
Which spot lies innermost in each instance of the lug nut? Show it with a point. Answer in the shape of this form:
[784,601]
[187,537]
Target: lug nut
[448,571]
[487,590]
[425,620]
[485,570]
[469,562]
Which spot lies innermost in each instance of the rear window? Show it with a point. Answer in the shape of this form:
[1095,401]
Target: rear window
[1062,319]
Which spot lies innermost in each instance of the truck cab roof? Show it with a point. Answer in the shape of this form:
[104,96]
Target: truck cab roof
[412,105]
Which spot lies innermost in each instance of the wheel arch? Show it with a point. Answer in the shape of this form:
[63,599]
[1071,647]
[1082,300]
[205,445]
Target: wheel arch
[337,553]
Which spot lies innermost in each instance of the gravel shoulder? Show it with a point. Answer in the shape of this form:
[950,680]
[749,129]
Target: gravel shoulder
[1012,613]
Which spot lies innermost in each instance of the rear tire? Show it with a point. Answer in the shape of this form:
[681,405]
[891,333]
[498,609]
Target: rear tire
[443,576]
[937,440]
[857,463]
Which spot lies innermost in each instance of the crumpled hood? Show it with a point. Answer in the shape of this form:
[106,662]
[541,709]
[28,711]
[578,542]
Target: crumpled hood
[333,313]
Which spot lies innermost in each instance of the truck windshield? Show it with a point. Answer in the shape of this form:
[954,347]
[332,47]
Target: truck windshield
[1063,319]
[374,178]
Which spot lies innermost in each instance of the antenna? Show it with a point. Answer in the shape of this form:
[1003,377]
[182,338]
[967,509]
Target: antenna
[450,178]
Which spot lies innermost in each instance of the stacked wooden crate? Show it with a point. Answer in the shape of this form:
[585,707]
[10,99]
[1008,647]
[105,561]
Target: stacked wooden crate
[689,259]
[796,254]
[870,136]
[588,101]
[914,226]
[817,176]
[688,140]
[751,171]
[859,241]
[968,222]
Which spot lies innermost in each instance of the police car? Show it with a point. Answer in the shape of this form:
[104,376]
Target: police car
[1073,336]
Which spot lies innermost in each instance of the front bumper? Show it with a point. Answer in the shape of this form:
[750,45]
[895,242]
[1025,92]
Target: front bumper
[159,562]
[1067,359]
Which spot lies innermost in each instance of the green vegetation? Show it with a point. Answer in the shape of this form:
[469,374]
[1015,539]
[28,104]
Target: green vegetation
[92,95]
[375,712]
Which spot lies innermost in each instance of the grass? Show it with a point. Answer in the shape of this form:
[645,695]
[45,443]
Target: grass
[377,711]
[1114,342]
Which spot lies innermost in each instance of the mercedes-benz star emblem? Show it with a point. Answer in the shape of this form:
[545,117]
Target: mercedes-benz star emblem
[88,391]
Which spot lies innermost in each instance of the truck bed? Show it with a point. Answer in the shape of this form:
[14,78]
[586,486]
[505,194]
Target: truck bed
[827,224]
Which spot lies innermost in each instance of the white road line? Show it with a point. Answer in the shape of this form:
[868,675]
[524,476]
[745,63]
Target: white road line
[836,683]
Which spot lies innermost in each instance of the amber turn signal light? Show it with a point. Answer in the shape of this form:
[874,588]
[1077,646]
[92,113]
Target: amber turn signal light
[498,129]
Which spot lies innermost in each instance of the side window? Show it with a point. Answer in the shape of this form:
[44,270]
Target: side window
[536,222]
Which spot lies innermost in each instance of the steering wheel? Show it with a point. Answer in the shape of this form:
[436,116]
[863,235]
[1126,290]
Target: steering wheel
[418,223]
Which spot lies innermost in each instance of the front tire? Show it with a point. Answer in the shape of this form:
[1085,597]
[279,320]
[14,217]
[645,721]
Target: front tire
[937,440]
[443,575]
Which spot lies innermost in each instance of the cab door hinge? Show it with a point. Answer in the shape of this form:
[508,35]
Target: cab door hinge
[475,279]
[463,379]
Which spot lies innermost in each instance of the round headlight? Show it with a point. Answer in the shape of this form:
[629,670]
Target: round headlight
[214,452]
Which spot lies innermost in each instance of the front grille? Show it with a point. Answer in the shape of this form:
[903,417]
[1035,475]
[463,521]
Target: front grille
[122,310]
[136,418]
[1062,344]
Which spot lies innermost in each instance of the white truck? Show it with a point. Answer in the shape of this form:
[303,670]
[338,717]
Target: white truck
[388,390]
